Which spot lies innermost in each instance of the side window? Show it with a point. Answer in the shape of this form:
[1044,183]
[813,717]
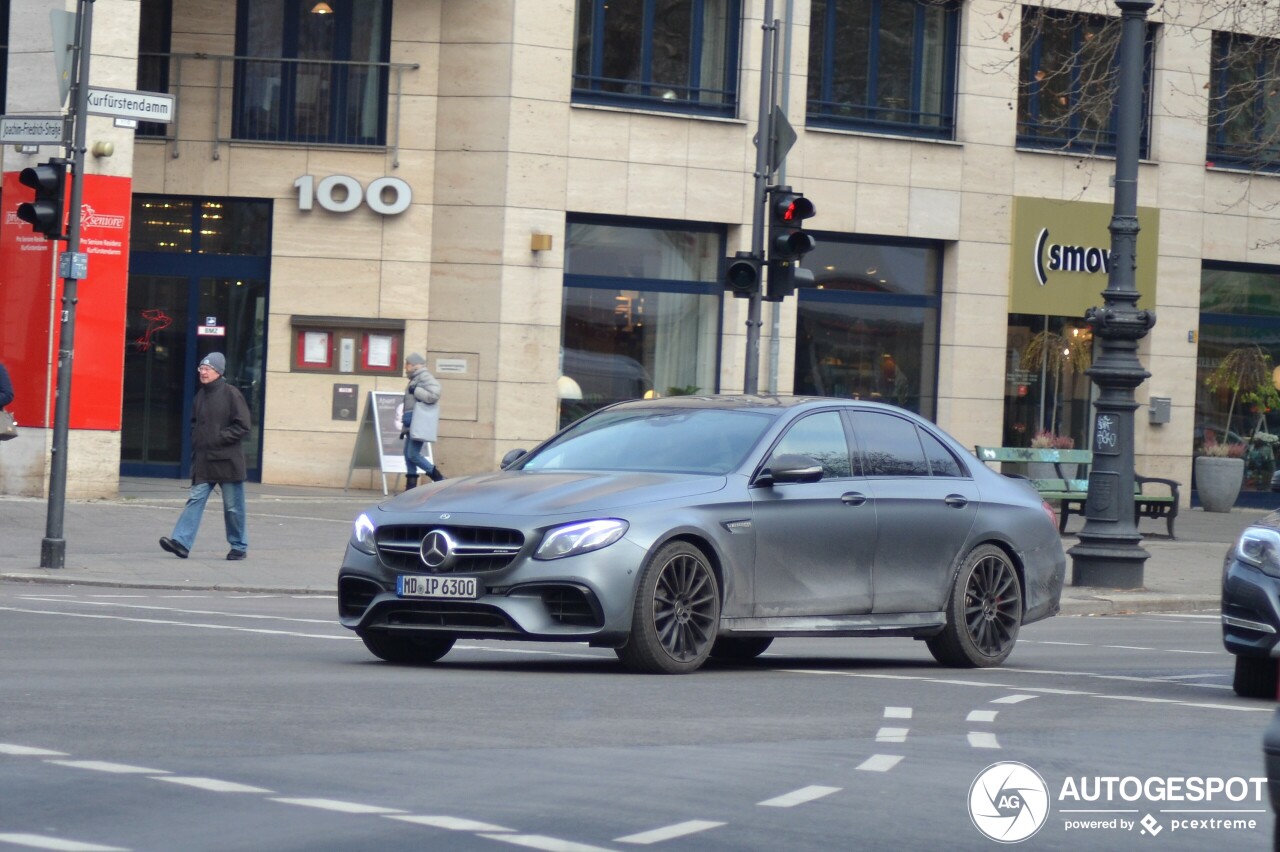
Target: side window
[821,437]
[941,461]
[890,445]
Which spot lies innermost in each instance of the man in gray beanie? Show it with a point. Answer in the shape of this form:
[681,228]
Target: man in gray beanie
[219,422]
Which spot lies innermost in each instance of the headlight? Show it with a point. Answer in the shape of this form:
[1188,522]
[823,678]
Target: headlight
[1260,547]
[362,535]
[582,537]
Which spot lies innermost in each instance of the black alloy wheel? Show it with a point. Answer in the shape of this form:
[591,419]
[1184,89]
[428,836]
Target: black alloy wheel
[677,613]
[984,612]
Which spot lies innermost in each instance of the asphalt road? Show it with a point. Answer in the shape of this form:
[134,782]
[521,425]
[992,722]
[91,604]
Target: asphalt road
[157,720]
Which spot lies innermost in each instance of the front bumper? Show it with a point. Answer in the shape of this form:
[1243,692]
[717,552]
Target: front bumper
[1250,610]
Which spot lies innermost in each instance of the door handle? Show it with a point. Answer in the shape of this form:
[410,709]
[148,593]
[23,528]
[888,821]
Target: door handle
[956,501]
[853,498]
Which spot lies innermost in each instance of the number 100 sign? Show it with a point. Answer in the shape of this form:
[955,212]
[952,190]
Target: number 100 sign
[385,195]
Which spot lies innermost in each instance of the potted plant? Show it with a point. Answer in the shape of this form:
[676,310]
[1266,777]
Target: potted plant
[1246,373]
[1050,354]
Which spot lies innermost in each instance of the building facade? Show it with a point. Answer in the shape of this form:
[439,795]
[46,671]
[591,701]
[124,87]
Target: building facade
[538,197]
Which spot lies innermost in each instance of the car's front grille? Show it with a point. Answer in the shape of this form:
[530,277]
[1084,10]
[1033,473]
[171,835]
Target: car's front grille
[355,594]
[474,549]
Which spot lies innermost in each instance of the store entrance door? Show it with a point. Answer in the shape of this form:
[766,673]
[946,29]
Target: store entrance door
[181,306]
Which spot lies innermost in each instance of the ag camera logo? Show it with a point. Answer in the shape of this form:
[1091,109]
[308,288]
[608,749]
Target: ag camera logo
[1008,802]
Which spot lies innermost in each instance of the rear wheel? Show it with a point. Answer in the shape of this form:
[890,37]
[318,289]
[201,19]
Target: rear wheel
[1256,677]
[740,649]
[399,648]
[677,613]
[984,612]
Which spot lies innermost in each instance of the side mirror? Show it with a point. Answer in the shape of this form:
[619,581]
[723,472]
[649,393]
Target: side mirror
[512,457]
[790,467]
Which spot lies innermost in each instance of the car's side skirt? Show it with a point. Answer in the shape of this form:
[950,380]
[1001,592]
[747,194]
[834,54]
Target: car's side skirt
[870,624]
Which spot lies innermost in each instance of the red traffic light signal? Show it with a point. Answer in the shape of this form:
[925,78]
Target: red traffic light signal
[787,212]
[44,212]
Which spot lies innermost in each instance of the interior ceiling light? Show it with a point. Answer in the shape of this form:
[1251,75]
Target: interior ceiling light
[322,8]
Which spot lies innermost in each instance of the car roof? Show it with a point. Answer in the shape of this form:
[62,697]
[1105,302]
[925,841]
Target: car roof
[763,403]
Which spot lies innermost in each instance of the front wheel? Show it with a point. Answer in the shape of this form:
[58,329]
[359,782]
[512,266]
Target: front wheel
[414,650]
[984,612]
[1256,677]
[677,613]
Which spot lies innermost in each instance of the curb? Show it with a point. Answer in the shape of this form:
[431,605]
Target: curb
[42,580]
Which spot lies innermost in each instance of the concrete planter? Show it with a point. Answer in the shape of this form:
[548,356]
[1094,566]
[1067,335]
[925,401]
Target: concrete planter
[1218,482]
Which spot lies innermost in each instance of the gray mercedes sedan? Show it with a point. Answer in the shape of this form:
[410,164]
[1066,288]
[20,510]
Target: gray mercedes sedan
[673,530]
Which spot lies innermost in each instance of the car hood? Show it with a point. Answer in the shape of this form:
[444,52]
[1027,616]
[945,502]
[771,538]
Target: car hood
[544,492]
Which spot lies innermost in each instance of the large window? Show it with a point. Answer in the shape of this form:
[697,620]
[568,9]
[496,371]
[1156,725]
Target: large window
[155,30]
[678,55]
[1046,390]
[883,65]
[317,71]
[869,329]
[641,313]
[1244,109]
[1068,82]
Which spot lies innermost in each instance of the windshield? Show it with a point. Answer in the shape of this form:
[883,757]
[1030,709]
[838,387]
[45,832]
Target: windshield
[684,440]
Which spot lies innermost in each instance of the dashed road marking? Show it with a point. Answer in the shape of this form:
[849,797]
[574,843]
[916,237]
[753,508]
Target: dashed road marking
[798,797]
[447,822]
[879,762]
[897,712]
[28,751]
[981,716]
[58,844]
[983,739]
[546,844]
[892,735]
[105,766]
[1012,699]
[339,806]
[680,829]
[213,785]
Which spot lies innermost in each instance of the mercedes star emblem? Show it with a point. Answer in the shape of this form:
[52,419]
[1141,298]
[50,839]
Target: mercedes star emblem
[437,549]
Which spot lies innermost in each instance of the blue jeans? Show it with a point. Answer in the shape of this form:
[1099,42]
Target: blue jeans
[414,459]
[184,532]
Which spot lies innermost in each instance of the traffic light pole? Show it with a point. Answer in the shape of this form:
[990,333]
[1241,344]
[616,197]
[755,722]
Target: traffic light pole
[53,549]
[764,141]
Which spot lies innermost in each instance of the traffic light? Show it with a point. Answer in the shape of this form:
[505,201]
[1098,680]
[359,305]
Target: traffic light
[742,275]
[787,212]
[44,212]
[784,278]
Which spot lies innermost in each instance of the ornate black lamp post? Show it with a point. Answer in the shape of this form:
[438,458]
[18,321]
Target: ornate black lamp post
[1109,553]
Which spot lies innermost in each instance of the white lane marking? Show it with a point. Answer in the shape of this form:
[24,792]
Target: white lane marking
[547,844]
[798,797]
[879,762]
[1012,699]
[983,739]
[35,841]
[1203,705]
[451,823]
[680,829]
[1192,676]
[213,785]
[1171,615]
[892,735]
[1046,642]
[981,716]
[339,806]
[48,595]
[247,616]
[29,751]
[897,712]
[167,623]
[104,766]
[1184,651]
[1128,678]
[1131,648]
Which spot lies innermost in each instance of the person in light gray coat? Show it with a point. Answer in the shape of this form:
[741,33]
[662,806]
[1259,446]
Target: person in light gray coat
[422,416]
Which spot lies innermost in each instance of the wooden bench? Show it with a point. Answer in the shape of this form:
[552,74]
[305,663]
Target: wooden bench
[1071,492]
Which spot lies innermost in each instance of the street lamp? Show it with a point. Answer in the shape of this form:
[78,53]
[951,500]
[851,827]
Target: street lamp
[1109,553]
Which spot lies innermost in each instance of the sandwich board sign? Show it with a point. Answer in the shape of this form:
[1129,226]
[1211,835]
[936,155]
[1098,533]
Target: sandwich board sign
[378,445]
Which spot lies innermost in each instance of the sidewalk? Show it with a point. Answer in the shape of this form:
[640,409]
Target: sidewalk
[297,537]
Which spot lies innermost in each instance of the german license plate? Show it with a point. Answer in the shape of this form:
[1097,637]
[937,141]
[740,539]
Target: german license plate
[434,586]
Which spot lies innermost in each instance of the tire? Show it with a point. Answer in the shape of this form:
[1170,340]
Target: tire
[733,649]
[676,615]
[400,648]
[984,612]
[1256,677]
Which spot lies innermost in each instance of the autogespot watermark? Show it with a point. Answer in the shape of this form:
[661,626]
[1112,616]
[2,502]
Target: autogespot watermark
[1009,802]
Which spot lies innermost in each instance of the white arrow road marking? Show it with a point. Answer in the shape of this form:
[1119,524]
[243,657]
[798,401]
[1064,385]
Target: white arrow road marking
[547,844]
[213,785]
[451,823]
[798,797]
[35,841]
[339,806]
[880,762]
[680,829]
[104,766]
